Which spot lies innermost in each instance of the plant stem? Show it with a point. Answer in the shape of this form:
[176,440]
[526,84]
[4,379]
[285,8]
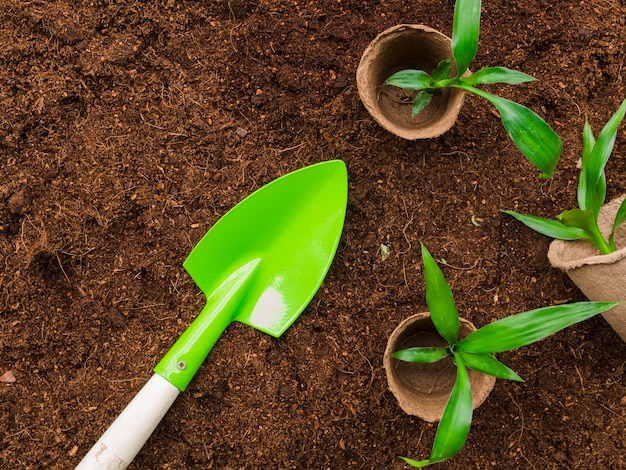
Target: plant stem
[449,82]
[598,240]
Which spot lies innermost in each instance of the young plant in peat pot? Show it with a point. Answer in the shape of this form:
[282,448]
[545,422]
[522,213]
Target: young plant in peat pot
[412,80]
[590,241]
[475,352]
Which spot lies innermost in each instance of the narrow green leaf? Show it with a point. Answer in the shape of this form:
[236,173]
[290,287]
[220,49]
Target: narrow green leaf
[489,75]
[588,143]
[455,422]
[465,33]
[594,170]
[443,70]
[410,80]
[456,419]
[530,134]
[577,218]
[488,364]
[424,355]
[416,463]
[588,139]
[548,227]
[620,218]
[585,220]
[439,299]
[594,195]
[528,327]
[420,102]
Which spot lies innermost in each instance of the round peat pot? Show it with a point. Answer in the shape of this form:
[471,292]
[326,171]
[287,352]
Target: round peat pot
[599,277]
[423,389]
[407,47]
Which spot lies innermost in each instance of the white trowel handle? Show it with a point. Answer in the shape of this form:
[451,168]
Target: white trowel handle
[119,445]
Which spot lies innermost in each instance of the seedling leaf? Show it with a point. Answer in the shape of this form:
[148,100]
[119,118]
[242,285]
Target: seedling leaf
[585,220]
[595,184]
[620,218]
[465,33]
[530,134]
[456,419]
[423,355]
[410,80]
[439,299]
[455,422]
[489,75]
[416,463]
[588,143]
[420,102]
[549,227]
[528,327]
[443,70]
[488,364]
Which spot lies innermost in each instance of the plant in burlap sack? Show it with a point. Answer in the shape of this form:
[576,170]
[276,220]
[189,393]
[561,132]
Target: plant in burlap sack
[476,351]
[530,134]
[582,223]
[590,241]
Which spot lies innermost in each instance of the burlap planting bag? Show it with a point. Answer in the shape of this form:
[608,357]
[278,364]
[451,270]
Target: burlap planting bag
[599,277]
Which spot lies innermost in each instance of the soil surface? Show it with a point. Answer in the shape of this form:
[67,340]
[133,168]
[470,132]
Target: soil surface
[127,129]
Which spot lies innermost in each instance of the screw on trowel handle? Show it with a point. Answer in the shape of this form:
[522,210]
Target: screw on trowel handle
[123,440]
[184,358]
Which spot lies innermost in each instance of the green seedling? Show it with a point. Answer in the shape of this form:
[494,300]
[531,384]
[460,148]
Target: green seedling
[476,351]
[582,223]
[530,134]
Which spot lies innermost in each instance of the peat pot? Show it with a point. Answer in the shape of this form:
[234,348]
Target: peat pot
[423,389]
[407,47]
[599,277]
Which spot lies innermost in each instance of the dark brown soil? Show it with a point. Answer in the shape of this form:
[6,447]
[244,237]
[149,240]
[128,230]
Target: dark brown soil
[128,128]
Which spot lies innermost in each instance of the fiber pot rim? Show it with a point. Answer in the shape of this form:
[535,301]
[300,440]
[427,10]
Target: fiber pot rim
[426,405]
[392,50]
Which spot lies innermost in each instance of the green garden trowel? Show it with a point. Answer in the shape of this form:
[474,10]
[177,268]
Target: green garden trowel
[260,264]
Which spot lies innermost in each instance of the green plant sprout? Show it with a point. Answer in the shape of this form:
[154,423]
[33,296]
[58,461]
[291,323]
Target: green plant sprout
[476,351]
[530,134]
[582,223]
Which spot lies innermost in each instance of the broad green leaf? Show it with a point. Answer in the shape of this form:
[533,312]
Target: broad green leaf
[530,134]
[443,70]
[489,75]
[588,143]
[528,327]
[420,102]
[585,220]
[465,33]
[424,355]
[410,80]
[577,218]
[595,191]
[548,227]
[488,364]
[439,299]
[456,419]
[620,218]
